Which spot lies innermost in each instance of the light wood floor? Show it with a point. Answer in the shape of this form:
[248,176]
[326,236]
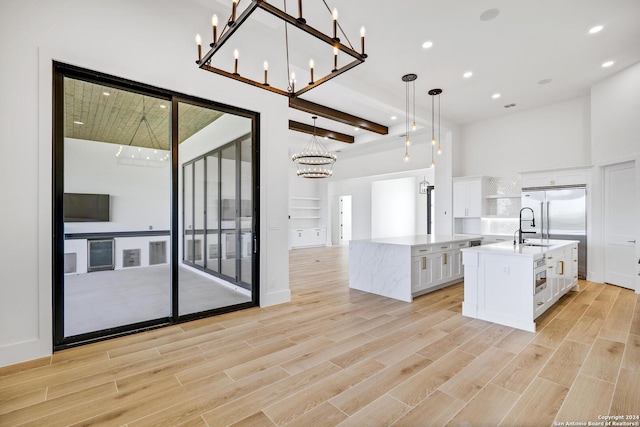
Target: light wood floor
[337,356]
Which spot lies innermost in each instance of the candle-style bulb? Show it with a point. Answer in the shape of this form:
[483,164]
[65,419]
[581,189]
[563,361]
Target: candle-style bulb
[433,140]
[199,43]
[335,59]
[362,32]
[235,66]
[311,71]
[311,63]
[234,8]
[214,23]
[413,126]
[335,14]
[335,23]
[266,68]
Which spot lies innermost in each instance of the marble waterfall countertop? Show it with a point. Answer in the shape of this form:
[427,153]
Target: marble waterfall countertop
[533,248]
[423,239]
[383,266]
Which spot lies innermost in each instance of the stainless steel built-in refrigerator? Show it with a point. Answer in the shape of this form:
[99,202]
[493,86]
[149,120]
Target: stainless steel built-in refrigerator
[560,213]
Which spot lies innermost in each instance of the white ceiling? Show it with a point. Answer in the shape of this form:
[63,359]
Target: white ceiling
[527,42]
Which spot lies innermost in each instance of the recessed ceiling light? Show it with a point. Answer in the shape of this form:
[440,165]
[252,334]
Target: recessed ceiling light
[596,29]
[393,117]
[489,14]
[355,128]
[106,93]
[495,96]
[78,122]
[544,81]
[467,74]
[607,64]
[163,106]
[427,45]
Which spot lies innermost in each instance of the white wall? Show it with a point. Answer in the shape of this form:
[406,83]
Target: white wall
[393,207]
[615,116]
[152,43]
[615,127]
[139,196]
[362,208]
[601,129]
[549,137]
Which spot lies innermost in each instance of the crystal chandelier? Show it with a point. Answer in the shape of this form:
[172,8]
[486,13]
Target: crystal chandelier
[315,161]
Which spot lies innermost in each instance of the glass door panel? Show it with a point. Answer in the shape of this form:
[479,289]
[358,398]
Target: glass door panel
[246,213]
[209,143]
[116,208]
[189,250]
[213,232]
[229,225]
[200,236]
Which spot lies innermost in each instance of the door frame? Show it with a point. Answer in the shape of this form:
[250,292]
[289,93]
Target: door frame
[61,70]
[604,198]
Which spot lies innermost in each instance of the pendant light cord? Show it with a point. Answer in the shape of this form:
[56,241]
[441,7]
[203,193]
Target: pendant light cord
[286,44]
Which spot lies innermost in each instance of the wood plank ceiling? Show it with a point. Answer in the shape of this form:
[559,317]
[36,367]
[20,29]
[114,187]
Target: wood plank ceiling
[106,114]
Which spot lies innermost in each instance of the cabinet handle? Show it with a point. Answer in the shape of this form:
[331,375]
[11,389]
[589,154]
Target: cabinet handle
[446,259]
[540,303]
[444,247]
[424,250]
[561,267]
[424,263]
[549,257]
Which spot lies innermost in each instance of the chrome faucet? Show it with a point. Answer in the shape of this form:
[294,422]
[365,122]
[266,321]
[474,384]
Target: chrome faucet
[520,232]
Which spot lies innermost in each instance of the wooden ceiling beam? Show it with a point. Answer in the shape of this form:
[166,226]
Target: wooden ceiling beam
[336,115]
[304,128]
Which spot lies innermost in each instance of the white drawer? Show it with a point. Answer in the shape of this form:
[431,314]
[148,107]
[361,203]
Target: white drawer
[421,250]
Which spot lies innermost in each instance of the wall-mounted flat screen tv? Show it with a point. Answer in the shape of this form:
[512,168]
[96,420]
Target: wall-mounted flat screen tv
[86,207]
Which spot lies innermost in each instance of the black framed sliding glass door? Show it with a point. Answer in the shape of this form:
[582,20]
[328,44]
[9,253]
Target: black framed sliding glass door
[218,221]
[153,210]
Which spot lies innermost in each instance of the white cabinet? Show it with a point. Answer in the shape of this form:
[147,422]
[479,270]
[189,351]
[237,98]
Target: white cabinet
[467,197]
[560,272]
[468,204]
[555,177]
[500,283]
[305,222]
[574,265]
[436,265]
[303,237]
[423,272]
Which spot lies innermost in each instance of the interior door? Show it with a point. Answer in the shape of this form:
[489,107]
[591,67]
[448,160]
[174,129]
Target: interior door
[620,227]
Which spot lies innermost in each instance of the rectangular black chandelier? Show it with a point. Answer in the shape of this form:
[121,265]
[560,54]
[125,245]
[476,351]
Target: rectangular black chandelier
[233,23]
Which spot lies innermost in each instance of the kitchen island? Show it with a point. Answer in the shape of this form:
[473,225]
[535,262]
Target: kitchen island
[514,284]
[404,267]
